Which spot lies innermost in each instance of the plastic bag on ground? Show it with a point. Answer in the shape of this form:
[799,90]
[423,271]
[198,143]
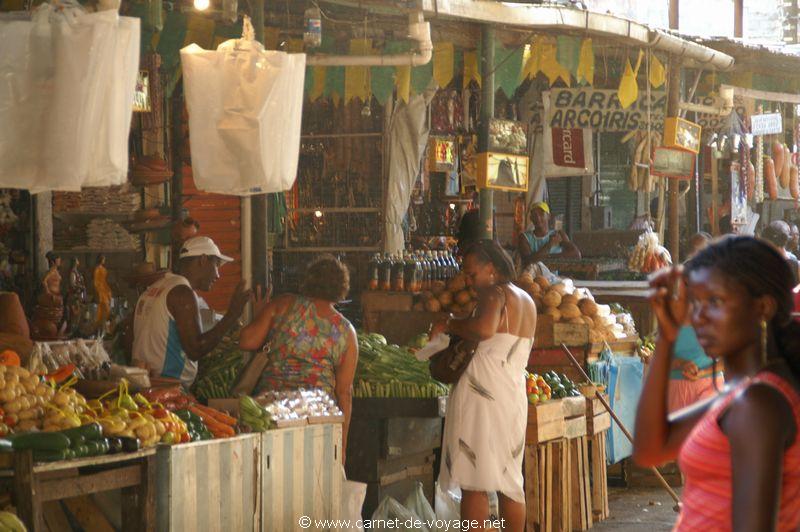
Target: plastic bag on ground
[389,510]
[448,505]
[245,106]
[353,495]
[418,504]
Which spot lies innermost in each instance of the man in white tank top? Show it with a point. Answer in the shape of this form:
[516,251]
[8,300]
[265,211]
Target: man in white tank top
[167,333]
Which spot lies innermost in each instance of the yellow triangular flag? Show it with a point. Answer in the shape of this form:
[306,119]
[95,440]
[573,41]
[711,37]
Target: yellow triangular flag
[443,59]
[319,83]
[658,74]
[585,70]
[628,91]
[550,65]
[402,80]
[534,62]
[356,78]
[471,70]
[638,62]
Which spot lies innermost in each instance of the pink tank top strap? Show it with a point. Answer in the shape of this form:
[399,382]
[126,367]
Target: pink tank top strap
[785,388]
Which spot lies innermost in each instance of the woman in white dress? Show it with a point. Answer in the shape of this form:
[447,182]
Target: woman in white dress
[487,412]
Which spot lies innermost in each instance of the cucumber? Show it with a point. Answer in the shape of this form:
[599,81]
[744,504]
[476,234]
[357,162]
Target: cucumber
[90,432]
[130,445]
[114,445]
[45,455]
[81,451]
[40,441]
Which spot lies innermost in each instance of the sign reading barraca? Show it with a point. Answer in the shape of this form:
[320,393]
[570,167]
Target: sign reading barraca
[600,110]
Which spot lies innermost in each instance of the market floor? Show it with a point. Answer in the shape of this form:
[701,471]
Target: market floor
[635,509]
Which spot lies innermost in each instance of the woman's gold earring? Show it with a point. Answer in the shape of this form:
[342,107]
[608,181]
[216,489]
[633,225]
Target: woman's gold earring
[764,332]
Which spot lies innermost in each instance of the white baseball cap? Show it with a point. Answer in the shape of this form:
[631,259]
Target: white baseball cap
[202,245]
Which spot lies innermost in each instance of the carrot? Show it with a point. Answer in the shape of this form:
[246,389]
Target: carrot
[218,429]
[222,417]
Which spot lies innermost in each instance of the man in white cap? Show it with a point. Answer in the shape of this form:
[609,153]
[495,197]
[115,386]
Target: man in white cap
[167,334]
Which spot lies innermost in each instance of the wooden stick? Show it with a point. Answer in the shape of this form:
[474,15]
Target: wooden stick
[619,423]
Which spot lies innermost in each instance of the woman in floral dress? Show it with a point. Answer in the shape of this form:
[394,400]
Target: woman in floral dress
[306,341]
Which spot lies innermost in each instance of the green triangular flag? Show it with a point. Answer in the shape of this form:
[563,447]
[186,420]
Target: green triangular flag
[507,68]
[421,77]
[382,78]
[568,52]
[334,83]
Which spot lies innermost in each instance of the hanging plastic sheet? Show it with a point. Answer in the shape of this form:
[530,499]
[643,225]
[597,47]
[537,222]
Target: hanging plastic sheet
[62,124]
[408,136]
[245,106]
[623,378]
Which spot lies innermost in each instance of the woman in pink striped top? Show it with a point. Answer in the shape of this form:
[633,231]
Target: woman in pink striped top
[739,451]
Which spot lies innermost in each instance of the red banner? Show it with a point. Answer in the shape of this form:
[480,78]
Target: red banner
[568,148]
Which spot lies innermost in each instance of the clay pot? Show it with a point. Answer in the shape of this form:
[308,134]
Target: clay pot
[12,316]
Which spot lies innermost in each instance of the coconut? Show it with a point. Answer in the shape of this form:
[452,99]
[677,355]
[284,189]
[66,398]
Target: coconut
[438,287]
[457,283]
[463,297]
[587,307]
[542,281]
[433,305]
[552,299]
[569,299]
[569,311]
[445,298]
[554,313]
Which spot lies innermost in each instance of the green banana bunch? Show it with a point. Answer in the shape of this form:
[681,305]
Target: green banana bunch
[11,523]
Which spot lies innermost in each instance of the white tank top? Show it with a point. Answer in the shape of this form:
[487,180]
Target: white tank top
[156,342]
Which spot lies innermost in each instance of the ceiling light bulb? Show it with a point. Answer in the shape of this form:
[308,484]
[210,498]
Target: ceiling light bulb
[201,5]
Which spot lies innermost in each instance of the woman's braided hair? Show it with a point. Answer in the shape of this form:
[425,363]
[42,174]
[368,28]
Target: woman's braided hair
[762,270]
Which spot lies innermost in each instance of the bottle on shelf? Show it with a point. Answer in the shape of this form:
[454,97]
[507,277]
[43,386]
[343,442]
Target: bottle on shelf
[386,273]
[426,272]
[398,274]
[408,273]
[374,272]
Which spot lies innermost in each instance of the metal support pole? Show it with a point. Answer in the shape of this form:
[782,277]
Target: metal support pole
[738,18]
[673,100]
[487,113]
[254,208]
[674,14]
[176,153]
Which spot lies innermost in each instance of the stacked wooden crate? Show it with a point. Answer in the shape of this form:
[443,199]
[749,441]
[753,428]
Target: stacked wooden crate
[598,422]
[393,444]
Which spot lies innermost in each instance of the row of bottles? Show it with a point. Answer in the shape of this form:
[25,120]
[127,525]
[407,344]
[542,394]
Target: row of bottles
[411,271]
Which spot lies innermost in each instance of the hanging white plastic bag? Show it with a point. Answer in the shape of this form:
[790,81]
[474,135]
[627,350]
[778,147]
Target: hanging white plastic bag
[109,158]
[245,106]
[353,495]
[56,66]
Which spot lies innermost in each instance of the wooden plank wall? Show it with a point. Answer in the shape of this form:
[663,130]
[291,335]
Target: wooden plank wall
[210,485]
[220,219]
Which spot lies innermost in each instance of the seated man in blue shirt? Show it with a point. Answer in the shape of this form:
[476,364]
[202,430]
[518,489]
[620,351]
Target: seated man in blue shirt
[542,242]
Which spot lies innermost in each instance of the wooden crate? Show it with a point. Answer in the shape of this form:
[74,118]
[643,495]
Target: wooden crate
[545,422]
[35,484]
[548,486]
[550,334]
[544,359]
[574,417]
[597,417]
[398,478]
[580,477]
[597,456]
[374,302]
[225,471]
[301,471]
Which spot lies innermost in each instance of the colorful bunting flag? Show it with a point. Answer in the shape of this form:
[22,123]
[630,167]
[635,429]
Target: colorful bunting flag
[568,52]
[421,78]
[471,69]
[357,83]
[507,66]
[628,91]
[658,74]
[585,70]
[443,63]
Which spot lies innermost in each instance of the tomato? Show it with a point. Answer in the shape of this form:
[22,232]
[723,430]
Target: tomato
[185,437]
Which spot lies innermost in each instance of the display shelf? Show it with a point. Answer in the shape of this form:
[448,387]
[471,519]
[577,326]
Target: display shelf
[123,216]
